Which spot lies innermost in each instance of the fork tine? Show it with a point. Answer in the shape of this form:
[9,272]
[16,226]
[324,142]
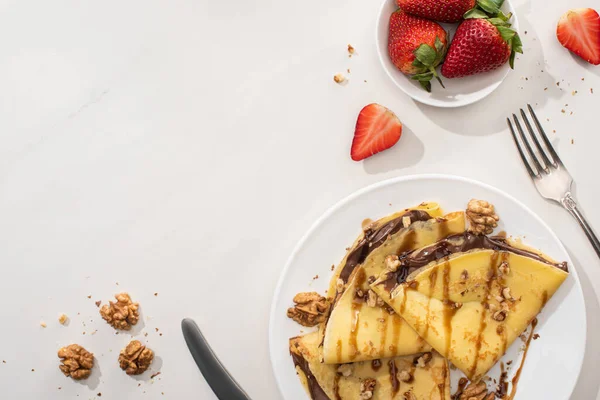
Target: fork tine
[547,162]
[551,150]
[514,135]
[534,159]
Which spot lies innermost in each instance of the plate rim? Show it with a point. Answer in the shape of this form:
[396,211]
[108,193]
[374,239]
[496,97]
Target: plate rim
[440,103]
[406,178]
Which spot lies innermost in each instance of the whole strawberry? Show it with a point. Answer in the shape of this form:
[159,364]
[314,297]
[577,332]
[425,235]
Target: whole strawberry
[416,46]
[483,42]
[438,10]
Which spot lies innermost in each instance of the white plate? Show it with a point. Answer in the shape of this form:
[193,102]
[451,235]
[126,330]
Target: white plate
[459,91]
[555,357]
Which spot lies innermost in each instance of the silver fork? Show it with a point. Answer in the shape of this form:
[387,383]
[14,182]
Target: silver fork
[547,171]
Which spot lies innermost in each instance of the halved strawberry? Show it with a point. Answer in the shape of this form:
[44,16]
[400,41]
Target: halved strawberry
[377,129]
[579,31]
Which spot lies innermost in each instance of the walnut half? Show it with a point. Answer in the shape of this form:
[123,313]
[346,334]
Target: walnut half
[135,358]
[477,391]
[77,362]
[481,216]
[310,309]
[123,314]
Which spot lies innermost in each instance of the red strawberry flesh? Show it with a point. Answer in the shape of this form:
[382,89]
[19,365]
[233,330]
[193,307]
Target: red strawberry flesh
[437,10]
[579,31]
[377,129]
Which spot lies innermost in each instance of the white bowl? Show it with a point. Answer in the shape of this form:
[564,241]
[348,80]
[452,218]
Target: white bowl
[459,91]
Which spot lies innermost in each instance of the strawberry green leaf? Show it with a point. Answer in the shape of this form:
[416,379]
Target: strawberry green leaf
[425,76]
[511,60]
[418,64]
[426,54]
[499,22]
[488,6]
[517,45]
[504,17]
[498,3]
[506,33]
[475,13]
[426,85]
[440,49]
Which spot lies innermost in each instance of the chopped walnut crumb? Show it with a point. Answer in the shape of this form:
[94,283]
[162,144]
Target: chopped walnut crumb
[405,376]
[481,216]
[310,309]
[506,294]
[98,303]
[339,285]
[500,315]
[345,370]
[367,387]
[123,314]
[424,359]
[392,262]
[62,319]
[339,78]
[350,49]
[76,361]
[372,299]
[409,396]
[135,358]
[504,268]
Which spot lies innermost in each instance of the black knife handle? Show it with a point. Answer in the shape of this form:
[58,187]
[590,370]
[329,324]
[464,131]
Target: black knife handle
[219,380]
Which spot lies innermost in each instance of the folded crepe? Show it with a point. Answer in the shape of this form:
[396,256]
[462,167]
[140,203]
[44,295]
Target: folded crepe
[359,326]
[470,296]
[430,380]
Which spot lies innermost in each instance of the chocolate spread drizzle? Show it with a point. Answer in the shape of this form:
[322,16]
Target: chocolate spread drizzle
[458,243]
[375,238]
[315,390]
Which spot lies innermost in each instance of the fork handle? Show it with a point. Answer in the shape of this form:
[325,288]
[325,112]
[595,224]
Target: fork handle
[570,204]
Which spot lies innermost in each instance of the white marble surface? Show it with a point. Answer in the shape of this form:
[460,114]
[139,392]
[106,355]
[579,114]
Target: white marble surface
[183,148]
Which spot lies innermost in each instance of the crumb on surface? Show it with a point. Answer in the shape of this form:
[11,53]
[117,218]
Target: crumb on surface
[572,141]
[62,319]
[316,277]
[563,111]
[351,49]
[154,375]
[332,267]
[89,296]
[339,78]
[98,303]
[156,294]
[43,324]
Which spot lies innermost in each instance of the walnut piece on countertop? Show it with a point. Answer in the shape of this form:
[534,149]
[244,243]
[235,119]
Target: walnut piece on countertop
[310,309]
[77,362]
[476,391]
[367,387]
[481,216]
[121,315]
[135,358]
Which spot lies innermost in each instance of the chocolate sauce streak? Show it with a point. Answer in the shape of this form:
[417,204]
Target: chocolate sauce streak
[316,392]
[376,364]
[375,238]
[394,377]
[458,243]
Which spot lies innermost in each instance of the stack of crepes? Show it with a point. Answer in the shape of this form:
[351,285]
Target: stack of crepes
[415,291]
